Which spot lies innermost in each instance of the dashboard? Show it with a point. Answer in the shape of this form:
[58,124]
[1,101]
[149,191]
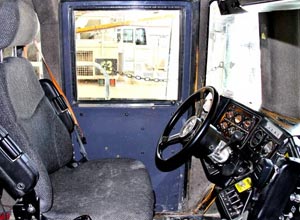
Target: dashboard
[260,136]
[254,164]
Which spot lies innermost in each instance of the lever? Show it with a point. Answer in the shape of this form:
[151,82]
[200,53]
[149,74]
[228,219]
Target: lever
[219,154]
[235,138]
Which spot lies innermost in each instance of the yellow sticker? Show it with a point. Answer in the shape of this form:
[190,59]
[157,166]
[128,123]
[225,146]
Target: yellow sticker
[243,185]
[286,154]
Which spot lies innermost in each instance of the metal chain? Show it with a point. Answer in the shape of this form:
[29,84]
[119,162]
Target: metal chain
[136,77]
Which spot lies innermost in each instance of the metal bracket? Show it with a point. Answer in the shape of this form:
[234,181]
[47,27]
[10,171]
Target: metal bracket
[28,207]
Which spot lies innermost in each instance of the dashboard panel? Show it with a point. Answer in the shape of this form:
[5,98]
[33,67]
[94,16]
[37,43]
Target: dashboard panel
[235,118]
[261,138]
[258,158]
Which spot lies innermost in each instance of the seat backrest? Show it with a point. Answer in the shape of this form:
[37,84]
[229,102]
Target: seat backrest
[25,111]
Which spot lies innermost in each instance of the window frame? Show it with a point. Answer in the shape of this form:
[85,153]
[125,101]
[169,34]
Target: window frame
[68,44]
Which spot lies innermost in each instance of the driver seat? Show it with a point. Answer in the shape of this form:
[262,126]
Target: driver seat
[107,189]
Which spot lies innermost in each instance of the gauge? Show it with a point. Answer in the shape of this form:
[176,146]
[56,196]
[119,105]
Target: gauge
[238,119]
[231,130]
[268,148]
[247,124]
[229,114]
[224,125]
[257,138]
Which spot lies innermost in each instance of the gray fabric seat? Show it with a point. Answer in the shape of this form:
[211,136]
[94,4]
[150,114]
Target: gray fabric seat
[112,192]
[107,189]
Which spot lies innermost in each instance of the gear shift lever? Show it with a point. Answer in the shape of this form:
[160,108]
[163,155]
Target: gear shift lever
[220,154]
[236,137]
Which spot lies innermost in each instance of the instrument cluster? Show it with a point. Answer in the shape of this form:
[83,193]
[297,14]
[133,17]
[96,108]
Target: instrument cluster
[235,118]
[262,143]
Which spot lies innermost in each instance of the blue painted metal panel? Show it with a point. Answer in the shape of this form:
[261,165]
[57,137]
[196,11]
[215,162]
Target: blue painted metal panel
[133,133]
[128,130]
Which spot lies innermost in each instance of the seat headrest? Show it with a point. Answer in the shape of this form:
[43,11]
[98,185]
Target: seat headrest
[18,23]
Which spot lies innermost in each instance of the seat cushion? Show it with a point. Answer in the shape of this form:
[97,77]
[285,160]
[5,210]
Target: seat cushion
[108,189]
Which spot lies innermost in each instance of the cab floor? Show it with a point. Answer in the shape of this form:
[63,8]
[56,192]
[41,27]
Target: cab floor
[177,216]
[186,218]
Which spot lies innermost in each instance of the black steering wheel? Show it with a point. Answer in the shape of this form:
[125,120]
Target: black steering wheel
[192,131]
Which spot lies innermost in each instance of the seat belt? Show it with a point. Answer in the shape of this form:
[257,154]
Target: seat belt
[77,129]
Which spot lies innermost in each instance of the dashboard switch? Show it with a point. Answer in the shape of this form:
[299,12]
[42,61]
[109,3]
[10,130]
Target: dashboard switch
[295,198]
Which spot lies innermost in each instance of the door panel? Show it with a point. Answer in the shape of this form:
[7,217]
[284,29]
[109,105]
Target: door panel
[130,126]
[133,133]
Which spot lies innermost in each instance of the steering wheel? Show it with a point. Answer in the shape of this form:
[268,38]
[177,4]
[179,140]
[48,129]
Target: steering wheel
[192,131]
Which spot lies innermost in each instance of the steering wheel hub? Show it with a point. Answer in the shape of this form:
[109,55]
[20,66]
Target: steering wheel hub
[189,126]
